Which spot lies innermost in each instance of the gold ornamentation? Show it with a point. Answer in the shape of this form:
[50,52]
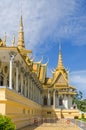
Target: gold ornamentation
[13,40]
[4,40]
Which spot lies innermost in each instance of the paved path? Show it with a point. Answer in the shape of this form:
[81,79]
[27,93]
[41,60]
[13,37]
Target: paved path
[79,123]
[60,125]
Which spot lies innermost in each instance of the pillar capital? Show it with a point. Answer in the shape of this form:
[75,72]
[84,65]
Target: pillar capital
[12,55]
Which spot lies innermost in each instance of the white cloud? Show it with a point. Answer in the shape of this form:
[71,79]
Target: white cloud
[78,78]
[42,19]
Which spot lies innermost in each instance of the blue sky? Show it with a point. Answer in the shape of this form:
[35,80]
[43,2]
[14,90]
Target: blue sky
[45,23]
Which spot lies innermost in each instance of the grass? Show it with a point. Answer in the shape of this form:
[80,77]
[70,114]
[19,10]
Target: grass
[82,119]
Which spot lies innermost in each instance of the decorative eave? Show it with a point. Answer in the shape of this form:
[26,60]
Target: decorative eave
[39,62]
[24,51]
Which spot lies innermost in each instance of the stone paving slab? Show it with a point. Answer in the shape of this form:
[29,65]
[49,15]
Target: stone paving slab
[60,125]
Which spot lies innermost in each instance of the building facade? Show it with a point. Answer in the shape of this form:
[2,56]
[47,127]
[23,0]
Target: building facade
[25,91]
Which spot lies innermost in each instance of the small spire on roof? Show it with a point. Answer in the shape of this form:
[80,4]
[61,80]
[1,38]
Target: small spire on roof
[4,40]
[13,40]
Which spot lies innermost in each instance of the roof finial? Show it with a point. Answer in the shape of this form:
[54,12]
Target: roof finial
[13,40]
[60,64]
[21,44]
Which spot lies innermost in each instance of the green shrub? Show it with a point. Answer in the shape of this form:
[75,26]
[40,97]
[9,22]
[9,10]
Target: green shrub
[82,116]
[6,123]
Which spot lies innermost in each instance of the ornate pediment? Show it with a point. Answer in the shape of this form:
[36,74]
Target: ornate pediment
[60,79]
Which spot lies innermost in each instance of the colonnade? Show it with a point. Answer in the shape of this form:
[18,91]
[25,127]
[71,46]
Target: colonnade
[59,101]
[29,86]
[49,98]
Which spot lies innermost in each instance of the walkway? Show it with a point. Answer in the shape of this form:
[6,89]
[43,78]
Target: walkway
[60,125]
[81,124]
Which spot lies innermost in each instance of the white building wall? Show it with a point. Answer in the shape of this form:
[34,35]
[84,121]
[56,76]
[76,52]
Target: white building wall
[65,102]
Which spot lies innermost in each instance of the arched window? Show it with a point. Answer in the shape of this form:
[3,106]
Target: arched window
[45,100]
[1,80]
[60,101]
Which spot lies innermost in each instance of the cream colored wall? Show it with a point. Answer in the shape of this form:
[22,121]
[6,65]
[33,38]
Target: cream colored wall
[2,108]
[58,113]
[55,113]
[20,109]
[2,101]
[70,113]
[23,111]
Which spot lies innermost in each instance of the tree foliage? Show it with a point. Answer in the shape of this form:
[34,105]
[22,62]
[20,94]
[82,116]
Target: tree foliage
[6,123]
[81,104]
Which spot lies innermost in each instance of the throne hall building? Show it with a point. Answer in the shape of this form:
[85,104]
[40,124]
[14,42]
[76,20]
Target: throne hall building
[25,91]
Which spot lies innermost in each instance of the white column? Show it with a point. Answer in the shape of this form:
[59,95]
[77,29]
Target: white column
[57,101]
[28,86]
[69,101]
[31,88]
[39,97]
[17,78]
[54,99]
[22,89]
[36,94]
[10,75]
[33,91]
[25,88]
[48,98]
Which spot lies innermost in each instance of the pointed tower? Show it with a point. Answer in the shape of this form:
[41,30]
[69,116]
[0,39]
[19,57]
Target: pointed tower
[21,44]
[60,63]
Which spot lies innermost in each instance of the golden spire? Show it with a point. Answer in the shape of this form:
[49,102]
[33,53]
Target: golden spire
[4,40]
[13,40]
[60,64]
[21,36]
